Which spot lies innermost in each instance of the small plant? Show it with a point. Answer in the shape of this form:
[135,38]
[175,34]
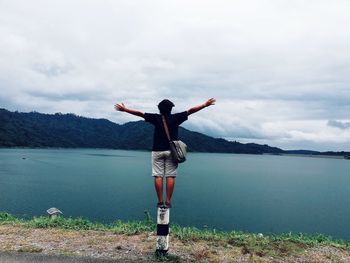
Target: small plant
[166,258]
[148,217]
[6,218]
[30,249]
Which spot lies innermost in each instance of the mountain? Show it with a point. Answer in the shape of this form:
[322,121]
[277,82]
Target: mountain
[71,131]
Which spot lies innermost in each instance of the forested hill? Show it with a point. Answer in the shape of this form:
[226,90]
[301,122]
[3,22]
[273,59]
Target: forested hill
[70,131]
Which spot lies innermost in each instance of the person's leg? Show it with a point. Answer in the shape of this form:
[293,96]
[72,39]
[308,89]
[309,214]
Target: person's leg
[170,182]
[158,169]
[158,183]
[170,173]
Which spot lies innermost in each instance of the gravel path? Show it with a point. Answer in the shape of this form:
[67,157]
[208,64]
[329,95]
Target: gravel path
[16,257]
[21,244]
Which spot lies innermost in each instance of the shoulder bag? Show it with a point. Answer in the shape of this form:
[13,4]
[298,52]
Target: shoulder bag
[178,148]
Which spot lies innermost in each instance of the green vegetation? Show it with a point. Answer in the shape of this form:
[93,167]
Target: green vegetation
[37,130]
[271,245]
[129,228]
[71,131]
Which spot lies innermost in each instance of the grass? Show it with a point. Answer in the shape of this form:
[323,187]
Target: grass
[278,245]
[119,227]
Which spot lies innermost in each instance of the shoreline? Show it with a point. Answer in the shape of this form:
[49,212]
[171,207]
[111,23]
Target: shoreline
[136,240]
[327,156]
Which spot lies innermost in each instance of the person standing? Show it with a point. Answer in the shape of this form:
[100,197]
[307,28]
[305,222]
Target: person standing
[163,164]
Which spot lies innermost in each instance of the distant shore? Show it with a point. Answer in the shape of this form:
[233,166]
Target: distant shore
[310,155]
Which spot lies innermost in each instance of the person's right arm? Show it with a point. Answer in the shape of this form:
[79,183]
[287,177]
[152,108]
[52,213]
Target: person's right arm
[122,107]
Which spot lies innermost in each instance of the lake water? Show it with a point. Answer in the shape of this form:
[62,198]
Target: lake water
[255,193]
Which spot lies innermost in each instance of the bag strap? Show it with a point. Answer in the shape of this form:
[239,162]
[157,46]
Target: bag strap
[166,128]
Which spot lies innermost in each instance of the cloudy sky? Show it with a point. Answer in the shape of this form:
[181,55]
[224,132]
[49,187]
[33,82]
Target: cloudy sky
[279,69]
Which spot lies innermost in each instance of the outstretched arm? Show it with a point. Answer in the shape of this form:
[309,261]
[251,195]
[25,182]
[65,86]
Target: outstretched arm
[202,106]
[121,107]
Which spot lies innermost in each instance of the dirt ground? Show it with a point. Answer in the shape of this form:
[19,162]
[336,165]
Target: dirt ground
[101,244]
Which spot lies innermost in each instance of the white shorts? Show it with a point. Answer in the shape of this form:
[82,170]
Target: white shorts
[163,164]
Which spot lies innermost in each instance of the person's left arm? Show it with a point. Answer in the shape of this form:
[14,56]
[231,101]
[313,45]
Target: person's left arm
[201,106]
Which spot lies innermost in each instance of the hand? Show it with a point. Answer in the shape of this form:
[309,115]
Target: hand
[210,102]
[120,107]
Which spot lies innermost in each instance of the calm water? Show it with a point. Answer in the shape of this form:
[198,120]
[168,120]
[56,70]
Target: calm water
[223,191]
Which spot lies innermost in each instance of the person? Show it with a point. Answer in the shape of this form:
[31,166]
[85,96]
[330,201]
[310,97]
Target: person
[162,163]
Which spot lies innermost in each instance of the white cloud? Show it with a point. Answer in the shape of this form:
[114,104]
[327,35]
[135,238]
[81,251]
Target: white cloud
[277,68]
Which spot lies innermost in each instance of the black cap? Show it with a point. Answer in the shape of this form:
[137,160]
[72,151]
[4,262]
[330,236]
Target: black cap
[165,106]
[166,103]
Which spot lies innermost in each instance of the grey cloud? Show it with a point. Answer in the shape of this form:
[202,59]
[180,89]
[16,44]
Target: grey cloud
[275,66]
[236,131]
[52,70]
[6,104]
[339,124]
[73,96]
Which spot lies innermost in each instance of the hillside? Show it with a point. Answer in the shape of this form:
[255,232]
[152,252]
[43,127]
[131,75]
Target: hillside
[71,131]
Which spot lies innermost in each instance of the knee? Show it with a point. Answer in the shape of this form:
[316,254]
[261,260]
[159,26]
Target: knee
[158,179]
